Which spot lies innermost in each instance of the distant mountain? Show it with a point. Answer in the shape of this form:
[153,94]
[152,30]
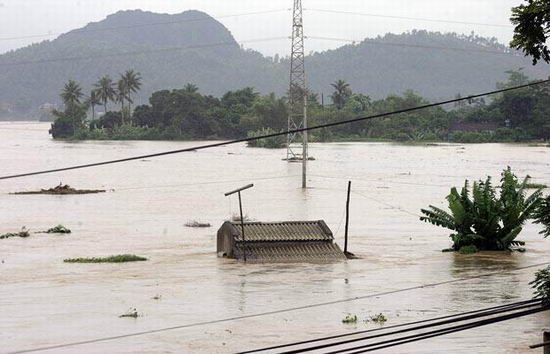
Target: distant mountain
[172,50]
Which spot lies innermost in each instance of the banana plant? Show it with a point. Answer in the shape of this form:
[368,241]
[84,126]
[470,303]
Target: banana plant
[483,219]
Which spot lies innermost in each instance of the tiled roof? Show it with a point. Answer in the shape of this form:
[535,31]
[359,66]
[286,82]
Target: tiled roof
[283,231]
[294,252]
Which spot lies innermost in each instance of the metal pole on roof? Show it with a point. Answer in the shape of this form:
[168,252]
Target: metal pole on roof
[238,191]
[242,226]
[347,220]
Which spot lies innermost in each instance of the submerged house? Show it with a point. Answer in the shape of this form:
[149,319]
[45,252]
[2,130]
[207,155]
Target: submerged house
[291,241]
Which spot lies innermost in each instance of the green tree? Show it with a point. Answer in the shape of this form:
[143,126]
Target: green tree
[106,90]
[342,92]
[532,28]
[92,102]
[132,84]
[71,93]
[191,88]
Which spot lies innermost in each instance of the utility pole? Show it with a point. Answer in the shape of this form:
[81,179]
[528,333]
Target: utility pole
[297,95]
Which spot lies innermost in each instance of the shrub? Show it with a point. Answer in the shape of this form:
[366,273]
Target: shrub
[276,142]
[480,218]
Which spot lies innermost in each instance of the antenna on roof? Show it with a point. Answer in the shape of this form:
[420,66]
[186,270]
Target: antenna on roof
[238,191]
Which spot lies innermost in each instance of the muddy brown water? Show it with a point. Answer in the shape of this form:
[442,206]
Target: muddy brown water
[44,301]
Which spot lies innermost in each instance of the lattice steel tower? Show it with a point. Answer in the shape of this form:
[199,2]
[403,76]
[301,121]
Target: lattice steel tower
[297,94]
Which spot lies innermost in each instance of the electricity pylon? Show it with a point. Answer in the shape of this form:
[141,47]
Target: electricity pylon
[297,94]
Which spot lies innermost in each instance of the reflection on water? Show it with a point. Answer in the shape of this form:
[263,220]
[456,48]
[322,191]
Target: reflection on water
[44,301]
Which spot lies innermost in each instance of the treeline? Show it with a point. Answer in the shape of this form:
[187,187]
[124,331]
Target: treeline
[518,115]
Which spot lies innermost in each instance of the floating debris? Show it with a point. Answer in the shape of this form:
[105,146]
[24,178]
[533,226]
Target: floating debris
[62,190]
[24,233]
[111,259]
[195,223]
[131,313]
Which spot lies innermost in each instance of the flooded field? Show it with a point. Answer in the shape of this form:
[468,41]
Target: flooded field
[46,302]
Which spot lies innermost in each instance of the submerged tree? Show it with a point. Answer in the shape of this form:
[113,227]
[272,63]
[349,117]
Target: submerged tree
[482,219]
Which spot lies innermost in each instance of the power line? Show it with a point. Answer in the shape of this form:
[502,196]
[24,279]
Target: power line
[139,52]
[422,46]
[204,183]
[274,312]
[417,337]
[409,18]
[89,30]
[432,323]
[283,133]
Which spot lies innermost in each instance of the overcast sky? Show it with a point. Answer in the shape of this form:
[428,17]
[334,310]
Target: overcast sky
[20,18]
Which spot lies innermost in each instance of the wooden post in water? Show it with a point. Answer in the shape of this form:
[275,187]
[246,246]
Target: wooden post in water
[546,339]
[347,221]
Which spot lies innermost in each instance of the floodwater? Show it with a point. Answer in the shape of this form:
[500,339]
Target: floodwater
[45,302]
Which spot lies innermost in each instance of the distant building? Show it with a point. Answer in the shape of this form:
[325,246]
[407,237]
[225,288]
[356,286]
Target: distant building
[291,241]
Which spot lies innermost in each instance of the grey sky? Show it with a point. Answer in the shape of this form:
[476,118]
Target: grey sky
[30,17]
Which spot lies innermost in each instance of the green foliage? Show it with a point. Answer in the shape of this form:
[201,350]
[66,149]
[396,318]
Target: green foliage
[68,121]
[350,319]
[342,93]
[111,259]
[542,216]
[480,218]
[276,142]
[471,249]
[379,318]
[541,284]
[532,21]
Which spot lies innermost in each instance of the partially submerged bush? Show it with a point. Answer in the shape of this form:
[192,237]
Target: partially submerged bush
[380,318]
[468,249]
[542,216]
[482,219]
[59,229]
[276,142]
[350,319]
[111,259]
[541,284]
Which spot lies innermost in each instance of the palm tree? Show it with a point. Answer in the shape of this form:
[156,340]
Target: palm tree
[132,84]
[72,93]
[191,88]
[342,92]
[122,95]
[105,90]
[93,101]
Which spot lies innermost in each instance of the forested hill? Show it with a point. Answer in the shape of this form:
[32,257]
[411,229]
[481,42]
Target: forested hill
[172,50]
[168,50]
[436,65]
